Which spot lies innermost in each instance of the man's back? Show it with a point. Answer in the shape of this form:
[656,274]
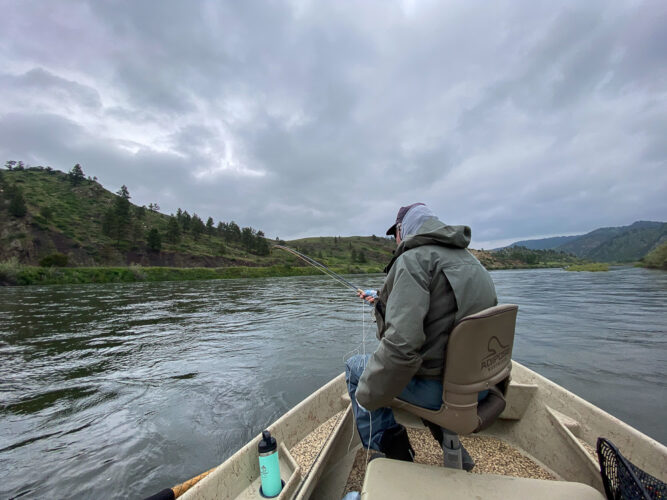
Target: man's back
[432,282]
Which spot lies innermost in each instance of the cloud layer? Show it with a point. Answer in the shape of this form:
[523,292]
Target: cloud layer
[313,118]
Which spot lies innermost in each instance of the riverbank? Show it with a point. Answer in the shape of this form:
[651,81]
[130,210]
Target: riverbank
[17,275]
[14,274]
[593,267]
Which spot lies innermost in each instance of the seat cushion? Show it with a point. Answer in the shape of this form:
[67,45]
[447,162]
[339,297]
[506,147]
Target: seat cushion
[390,479]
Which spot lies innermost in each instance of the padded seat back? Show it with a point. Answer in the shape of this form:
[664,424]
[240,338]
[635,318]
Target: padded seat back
[478,358]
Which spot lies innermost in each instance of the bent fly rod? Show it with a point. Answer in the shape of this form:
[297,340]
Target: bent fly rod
[321,267]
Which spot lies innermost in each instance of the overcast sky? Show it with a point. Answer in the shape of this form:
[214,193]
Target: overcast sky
[308,118]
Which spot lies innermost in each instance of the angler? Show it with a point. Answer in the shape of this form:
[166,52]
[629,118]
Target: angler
[433,281]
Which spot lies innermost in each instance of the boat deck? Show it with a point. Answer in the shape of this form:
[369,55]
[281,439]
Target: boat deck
[545,433]
[491,455]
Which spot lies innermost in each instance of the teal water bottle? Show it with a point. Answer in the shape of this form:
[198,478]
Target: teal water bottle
[269,467]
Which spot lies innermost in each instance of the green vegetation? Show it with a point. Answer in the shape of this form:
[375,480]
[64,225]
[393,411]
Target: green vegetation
[9,271]
[17,206]
[12,273]
[58,227]
[522,258]
[76,176]
[656,258]
[54,260]
[45,211]
[591,267]
[154,240]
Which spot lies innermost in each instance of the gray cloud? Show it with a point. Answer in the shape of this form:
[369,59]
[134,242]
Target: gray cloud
[312,118]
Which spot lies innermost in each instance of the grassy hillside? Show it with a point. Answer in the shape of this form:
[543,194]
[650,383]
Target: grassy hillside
[657,258]
[63,223]
[68,219]
[66,228]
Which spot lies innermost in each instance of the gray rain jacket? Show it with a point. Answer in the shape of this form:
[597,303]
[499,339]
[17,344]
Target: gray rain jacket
[432,283]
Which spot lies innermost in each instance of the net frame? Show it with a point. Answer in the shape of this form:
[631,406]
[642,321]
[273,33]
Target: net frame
[623,480]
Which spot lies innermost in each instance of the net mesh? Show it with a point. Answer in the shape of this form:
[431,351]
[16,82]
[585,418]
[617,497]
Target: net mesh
[622,480]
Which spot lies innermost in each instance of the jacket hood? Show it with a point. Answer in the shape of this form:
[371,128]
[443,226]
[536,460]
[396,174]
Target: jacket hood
[434,232]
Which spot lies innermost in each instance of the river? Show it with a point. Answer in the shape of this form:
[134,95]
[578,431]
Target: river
[121,390]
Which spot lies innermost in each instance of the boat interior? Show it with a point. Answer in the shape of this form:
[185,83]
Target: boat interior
[533,439]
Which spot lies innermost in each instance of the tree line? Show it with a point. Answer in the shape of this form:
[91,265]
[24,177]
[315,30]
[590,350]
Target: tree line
[122,221]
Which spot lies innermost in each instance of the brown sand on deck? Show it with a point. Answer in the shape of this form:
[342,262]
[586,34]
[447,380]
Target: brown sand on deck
[305,452]
[491,455]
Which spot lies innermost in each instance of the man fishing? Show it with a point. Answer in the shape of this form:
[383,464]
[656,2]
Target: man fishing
[432,282]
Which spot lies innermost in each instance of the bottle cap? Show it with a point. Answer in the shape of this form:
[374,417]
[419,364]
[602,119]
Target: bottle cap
[268,443]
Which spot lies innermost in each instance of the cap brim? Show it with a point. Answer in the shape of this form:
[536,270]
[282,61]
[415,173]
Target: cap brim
[391,231]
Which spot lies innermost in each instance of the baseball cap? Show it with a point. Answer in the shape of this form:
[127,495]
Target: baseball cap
[399,217]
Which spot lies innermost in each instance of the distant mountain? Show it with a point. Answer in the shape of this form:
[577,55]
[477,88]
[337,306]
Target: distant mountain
[607,244]
[544,243]
[620,244]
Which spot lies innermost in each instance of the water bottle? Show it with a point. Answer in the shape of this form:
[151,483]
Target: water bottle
[269,467]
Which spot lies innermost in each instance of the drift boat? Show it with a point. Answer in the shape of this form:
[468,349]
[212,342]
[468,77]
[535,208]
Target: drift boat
[542,445]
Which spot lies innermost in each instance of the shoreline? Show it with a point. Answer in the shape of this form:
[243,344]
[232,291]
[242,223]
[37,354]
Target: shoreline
[21,275]
[35,275]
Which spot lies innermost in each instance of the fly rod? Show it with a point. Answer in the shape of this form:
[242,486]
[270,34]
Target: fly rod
[321,267]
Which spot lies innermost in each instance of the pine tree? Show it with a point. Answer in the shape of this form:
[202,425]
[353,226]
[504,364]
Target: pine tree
[210,227]
[186,220]
[234,232]
[261,245]
[197,227]
[122,204]
[117,218]
[153,240]
[247,237]
[173,231]
[76,175]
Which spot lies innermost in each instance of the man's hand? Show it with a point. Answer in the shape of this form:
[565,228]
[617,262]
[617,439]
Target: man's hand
[369,296]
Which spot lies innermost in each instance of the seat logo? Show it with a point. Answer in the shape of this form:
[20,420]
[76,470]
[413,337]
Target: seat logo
[497,354]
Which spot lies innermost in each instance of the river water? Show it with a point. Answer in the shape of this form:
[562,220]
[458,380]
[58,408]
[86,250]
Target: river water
[121,390]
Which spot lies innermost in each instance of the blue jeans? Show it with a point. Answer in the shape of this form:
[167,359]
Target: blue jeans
[422,392]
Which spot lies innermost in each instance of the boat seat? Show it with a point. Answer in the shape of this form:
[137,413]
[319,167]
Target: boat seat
[478,358]
[393,479]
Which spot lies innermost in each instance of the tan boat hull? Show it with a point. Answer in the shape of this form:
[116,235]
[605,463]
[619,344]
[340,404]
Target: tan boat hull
[553,426]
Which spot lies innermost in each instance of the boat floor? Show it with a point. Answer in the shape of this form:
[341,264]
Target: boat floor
[491,454]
